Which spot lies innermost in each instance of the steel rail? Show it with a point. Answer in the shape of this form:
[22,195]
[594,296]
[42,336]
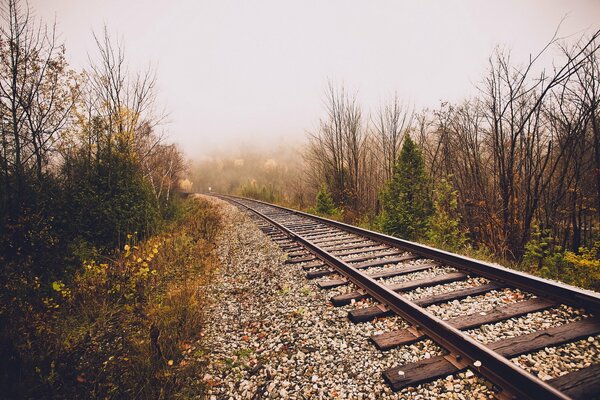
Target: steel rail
[560,292]
[464,351]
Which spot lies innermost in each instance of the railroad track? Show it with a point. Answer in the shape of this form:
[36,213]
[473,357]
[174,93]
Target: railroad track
[383,272]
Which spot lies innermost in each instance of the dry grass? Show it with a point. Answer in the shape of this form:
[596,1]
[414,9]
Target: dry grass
[120,328]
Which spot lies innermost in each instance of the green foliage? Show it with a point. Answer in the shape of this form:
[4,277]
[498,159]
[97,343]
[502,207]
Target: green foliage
[540,248]
[585,267]
[545,258]
[172,209]
[77,187]
[444,223]
[61,313]
[324,202]
[369,221]
[252,190]
[581,269]
[108,201]
[406,200]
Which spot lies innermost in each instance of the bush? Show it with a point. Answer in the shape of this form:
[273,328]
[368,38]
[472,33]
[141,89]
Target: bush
[324,203]
[264,193]
[540,249]
[583,269]
[548,260]
[105,203]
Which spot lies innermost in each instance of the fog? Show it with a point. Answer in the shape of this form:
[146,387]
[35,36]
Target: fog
[276,169]
[233,73]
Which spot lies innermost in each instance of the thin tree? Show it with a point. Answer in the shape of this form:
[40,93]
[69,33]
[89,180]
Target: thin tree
[392,123]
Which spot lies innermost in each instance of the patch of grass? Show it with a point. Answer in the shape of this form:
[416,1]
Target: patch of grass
[305,291]
[285,289]
[244,353]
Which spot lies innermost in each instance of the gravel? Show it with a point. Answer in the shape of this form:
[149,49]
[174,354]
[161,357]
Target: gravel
[423,292]
[362,249]
[556,361]
[478,304]
[273,334]
[529,323]
[425,274]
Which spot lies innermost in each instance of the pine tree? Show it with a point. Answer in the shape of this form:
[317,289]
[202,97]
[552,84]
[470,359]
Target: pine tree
[444,228]
[406,201]
[324,202]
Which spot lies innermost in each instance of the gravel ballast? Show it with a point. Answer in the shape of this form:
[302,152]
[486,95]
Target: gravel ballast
[272,333]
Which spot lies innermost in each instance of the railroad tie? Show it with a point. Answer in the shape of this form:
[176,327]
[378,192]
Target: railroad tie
[368,313]
[401,337]
[437,367]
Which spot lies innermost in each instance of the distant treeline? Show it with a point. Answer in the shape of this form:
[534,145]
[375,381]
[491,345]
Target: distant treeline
[273,174]
[515,168]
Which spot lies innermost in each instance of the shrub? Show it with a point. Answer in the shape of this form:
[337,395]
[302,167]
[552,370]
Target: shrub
[545,258]
[540,248]
[259,192]
[584,268]
[105,203]
[324,203]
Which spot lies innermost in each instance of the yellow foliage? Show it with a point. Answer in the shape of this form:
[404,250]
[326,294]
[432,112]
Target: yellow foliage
[581,260]
[585,266]
[60,287]
[153,285]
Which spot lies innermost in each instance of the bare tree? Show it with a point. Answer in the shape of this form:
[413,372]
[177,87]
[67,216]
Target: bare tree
[163,168]
[37,93]
[522,148]
[125,101]
[391,124]
[335,151]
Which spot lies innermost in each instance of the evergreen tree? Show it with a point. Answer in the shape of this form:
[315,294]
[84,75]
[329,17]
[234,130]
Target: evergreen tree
[444,228]
[406,201]
[324,202]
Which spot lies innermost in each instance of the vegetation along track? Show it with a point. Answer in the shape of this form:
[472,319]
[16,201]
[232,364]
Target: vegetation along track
[384,271]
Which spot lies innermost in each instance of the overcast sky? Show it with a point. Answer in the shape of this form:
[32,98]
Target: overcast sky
[255,71]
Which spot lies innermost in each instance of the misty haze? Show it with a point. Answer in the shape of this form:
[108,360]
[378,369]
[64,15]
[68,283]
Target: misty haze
[284,199]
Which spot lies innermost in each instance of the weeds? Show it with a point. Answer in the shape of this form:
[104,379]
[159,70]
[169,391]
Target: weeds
[305,290]
[118,328]
[285,289]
